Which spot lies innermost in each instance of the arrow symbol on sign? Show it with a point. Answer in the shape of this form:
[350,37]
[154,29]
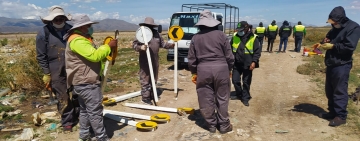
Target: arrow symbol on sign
[174,32]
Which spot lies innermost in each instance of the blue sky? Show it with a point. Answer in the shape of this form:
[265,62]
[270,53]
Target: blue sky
[308,11]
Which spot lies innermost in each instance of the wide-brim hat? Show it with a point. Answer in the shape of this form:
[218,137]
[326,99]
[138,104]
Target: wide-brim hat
[81,20]
[207,19]
[148,21]
[55,11]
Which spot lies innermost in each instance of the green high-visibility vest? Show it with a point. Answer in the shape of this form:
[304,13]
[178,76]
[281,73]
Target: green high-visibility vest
[299,28]
[272,27]
[249,45]
[260,30]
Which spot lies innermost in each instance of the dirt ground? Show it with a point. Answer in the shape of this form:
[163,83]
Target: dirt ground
[282,100]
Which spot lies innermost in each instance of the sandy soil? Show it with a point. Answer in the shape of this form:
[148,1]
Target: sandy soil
[283,100]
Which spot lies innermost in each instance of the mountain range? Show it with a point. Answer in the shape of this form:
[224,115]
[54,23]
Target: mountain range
[10,25]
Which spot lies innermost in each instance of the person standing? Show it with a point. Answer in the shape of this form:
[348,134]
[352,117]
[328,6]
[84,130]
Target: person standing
[284,33]
[271,33]
[50,54]
[299,34]
[154,45]
[260,32]
[340,44]
[246,49]
[84,66]
[210,62]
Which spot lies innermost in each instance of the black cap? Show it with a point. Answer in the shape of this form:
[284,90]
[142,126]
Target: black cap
[299,23]
[242,25]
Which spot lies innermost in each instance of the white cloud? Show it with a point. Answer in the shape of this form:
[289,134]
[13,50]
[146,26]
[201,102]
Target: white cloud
[355,5]
[113,1]
[18,10]
[250,19]
[87,1]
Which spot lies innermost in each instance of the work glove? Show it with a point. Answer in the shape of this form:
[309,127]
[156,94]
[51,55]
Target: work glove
[113,44]
[327,46]
[143,47]
[46,78]
[194,78]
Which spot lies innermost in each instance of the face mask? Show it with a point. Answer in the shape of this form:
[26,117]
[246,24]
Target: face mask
[90,31]
[337,26]
[241,33]
[59,25]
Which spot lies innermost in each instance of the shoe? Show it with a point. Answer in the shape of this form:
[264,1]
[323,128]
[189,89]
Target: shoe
[226,130]
[327,116]
[336,122]
[67,128]
[234,97]
[212,129]
[246,103]
[147,102]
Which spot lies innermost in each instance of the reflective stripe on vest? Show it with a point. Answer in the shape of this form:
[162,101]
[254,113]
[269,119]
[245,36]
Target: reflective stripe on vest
[272,27]
[260,29]
[249,45]
[286,28]
[299,28]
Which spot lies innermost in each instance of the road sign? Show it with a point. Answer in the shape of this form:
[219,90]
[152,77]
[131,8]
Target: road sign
[176,33]
[148,34]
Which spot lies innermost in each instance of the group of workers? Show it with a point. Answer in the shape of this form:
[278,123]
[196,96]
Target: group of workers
[73,64]
[298,32]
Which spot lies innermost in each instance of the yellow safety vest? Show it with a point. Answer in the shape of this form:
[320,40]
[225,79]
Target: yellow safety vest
[299,28]
[249,45]
[272,27]
[260,30]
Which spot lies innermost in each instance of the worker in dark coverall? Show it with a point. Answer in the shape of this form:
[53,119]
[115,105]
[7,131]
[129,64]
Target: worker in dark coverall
[340,43]
[154,45]
[284,33]
[84,67]
[246,49]
[299,34]
[271,32]
[260,32]
[210,62]
[51,57]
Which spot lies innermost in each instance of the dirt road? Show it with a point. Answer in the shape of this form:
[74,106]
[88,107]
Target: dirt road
[282,100]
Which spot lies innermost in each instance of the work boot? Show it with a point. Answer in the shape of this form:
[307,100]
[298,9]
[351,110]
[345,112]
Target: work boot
[235,97]
[246,103]
[336,122]
[147,102]
[229,129]
[327,115]
[212,129]
[67,129]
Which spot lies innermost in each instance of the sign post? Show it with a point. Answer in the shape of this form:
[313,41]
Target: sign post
[175,33]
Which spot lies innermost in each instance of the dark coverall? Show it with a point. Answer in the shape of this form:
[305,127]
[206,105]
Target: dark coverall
[339,62]
[211,59]
[51,58]
[154,45]
[284,33]
[271,35]
[260,36]
[242,66]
